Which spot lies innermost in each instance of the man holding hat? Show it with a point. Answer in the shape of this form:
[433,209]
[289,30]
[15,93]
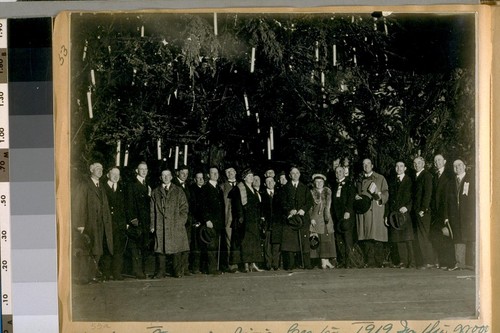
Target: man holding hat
[343,214]
[297,201]
[273,218]
[398,218]
[372,232]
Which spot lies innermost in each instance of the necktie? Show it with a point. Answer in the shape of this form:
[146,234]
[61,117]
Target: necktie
[271,193]
[114,187]
[97,185]
[143,182]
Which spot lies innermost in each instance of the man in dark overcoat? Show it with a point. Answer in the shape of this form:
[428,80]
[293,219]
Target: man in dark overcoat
[182,180]
[196,211]
[93,222]
[213,218]
[227,187]
[462,216]
[116,200]
[442,185]
[422,196]
[297,200]
[273,218]
[343,192]
[138,203]
[169,213]
[401,232]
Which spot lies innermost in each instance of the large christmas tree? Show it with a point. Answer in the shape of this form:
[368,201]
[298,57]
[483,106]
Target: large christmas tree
[271,90]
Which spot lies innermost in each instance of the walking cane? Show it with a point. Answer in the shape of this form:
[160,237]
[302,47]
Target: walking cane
[301,251]
[218,255]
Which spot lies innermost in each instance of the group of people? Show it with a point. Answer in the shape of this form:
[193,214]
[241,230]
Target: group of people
[206,225]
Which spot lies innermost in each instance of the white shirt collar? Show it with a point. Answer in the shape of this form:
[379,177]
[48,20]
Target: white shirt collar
[94,181]
[141,179]
[341,180]
[461,176]
[418,173]
[213,182]
[401,177]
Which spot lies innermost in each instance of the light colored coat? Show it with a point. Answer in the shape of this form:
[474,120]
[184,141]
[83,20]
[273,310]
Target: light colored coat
[169,212]
[320,211]
[370,225]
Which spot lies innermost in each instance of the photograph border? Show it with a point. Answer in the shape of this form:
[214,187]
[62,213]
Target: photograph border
[62,104]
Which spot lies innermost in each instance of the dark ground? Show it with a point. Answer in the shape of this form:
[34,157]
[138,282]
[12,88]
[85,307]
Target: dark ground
[338,294]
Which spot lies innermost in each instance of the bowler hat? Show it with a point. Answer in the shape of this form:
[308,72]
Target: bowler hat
[295,222]
[314,241]
[397,220]
[207,234]
[362,205]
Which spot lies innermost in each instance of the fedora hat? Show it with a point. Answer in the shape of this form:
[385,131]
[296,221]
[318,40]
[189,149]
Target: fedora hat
[295,222]
[207,235]
[362,205]
[314,241]
[397,220]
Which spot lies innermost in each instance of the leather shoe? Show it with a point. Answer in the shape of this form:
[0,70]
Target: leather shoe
[455,268]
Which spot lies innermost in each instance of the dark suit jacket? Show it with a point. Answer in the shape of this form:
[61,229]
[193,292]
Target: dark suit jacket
[440,199]
[273,214]
[300,198]
[92,213]
[213,206]
[422,192]
[400,195]
[343,204]
[116,201]
[138,204]
[187,192]
[462,209]
[196,203]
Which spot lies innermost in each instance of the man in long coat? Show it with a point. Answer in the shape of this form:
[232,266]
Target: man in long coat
[462,216]
[213,218]
[169,212]
[372,231]
[400,202]
[297,200]
[116,199]
[93,222]
[227,187]
[273,218]
[181,180]
[138,204]
[343,216]
[442,185]
[422,196]
[196,211]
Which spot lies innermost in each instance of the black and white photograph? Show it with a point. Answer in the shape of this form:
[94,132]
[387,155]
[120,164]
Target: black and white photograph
[274,166]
